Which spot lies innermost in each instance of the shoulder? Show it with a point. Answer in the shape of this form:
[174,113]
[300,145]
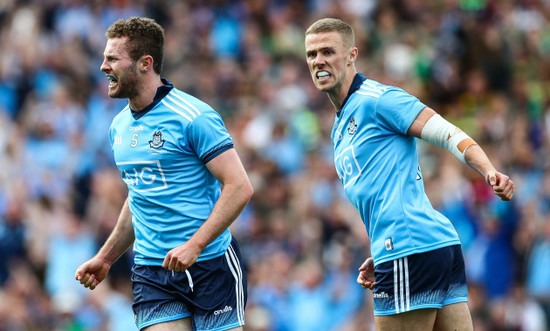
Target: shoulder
[377,95]
[185,105]
[377,90]
[122,115]
[393,96]
[372,89]
[396,109]
[368,96]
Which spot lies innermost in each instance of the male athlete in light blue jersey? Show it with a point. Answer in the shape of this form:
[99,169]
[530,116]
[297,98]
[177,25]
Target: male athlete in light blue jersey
[186,185]
[416,270]
[161,152]
[378,164]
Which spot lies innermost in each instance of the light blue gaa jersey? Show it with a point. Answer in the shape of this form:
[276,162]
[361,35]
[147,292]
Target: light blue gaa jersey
[377,163]
[161,153]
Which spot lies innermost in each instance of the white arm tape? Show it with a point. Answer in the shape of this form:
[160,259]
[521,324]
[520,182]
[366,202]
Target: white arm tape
[440,132]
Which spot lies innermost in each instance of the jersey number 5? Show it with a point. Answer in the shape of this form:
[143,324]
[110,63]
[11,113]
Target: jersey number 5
[134,140]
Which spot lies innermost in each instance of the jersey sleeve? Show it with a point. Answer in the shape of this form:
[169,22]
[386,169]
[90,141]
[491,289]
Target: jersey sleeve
[208,136]
[396,110]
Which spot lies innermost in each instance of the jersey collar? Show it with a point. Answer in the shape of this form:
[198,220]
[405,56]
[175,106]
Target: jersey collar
[357,82]
[162,91]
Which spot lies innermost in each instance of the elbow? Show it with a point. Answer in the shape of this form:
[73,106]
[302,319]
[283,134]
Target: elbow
[240,191]
[248,190]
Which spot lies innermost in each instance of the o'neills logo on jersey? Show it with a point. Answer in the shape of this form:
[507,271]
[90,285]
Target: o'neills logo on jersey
[224,310]
[136,128]
[380,295]
[157,141]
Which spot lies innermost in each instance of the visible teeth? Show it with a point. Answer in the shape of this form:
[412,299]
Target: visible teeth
[323,74]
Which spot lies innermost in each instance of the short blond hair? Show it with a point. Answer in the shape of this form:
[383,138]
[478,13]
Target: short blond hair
[333,24]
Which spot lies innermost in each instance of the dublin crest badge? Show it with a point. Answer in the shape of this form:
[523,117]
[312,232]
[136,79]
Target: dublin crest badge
[352,128]
[157,141]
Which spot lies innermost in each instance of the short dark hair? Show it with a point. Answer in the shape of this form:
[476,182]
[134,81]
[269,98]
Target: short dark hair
[145,36]
[333,24]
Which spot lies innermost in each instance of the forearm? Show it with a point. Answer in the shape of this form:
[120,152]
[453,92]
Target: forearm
[432,128]
[120,239]
[476,158]
[232,200]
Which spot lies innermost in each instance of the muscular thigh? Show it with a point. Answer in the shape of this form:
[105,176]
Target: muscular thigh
[455,316]
[414,320]
[183,324]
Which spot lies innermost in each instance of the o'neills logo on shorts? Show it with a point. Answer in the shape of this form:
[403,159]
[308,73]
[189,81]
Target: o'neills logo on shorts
[224,310]
[380,295]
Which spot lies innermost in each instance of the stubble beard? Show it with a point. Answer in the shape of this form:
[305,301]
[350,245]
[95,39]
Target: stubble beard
[329,89]
[128,84]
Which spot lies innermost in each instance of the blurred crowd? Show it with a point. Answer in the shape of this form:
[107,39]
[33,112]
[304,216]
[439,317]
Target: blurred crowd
[482,64]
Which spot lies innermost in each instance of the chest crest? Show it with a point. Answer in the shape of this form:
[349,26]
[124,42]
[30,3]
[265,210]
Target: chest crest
[157,141]
[352,126]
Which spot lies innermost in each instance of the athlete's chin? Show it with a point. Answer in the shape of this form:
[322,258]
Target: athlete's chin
[116,94]
[324,87]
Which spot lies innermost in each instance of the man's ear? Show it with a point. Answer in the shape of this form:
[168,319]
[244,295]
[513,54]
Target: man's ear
[145,63]
[352,55]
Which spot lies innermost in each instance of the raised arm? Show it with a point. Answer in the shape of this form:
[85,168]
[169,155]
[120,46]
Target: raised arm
[433,128]
[236,191]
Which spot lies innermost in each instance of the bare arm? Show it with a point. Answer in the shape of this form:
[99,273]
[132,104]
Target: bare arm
[474,156]
[236,191]
[92,272]
[120,239]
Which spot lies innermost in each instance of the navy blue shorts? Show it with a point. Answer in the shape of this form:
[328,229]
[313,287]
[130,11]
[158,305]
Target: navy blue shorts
[213,293]
[427,280]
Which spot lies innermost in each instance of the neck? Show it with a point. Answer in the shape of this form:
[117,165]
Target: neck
[146,94]
[336,100]
[340,93]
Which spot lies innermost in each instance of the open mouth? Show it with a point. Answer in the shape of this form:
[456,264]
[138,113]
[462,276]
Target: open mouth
[112,81]
[322,75]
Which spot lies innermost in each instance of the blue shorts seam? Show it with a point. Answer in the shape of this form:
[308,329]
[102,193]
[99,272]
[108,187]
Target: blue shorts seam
[225,327]
[162,320]
[454,300]
[393,312]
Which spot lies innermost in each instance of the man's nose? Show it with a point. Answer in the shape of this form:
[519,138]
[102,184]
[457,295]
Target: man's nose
[319,60]
[103,66]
